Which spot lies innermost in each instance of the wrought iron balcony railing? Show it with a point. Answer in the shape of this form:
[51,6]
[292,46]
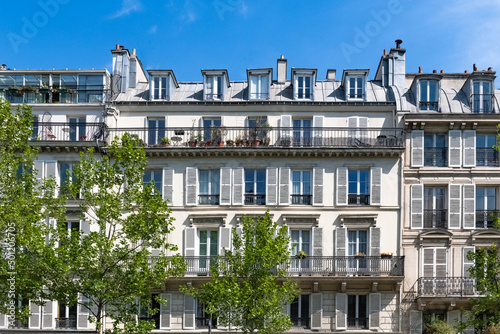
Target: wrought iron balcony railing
[68,131]
[485,218]
[67,323]
[301,199]
[354,199]
[483,103]
[487,157]
[435,156]
[446,286]
[435,218]
[208,199]
[251,199]
[357,323]
[428,105]
[301,322]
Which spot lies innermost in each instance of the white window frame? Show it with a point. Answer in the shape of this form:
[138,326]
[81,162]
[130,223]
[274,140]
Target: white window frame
[155,140]
[434,264]
[480,107]
[428,92]
[301,181]
[80,121]
[298,247]
[217,189]
[303,89]
[152,172]
[299,308]
[160,85]
[255,181]
[214,90]
[485,201]
[261,90]
[357,82]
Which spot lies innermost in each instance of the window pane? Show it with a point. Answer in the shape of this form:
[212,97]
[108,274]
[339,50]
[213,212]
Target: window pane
[214,240]
[351,306]
[362,306]
[301,87]
[156,88]
[304,306]
[433,91]
[423,91]
[440,140]
[215,187]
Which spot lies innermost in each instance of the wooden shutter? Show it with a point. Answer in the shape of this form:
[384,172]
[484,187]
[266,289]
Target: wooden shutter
[417,148]
[374,312]
[82,319]
[286,127]
[341,311]
[417,206]
[318,176]
[34,320]
[188,320]
[49,312]
[238,185]
[469,144]
[318,130]
[168,185]
[340,241]
[190,241]
[441,262]
[191,185]
[225,239]
[165,311]
[415,322]
[454,148]
[375,185]
[225,186]
[342,186]
[363,132]
[272,185]
[469,205]
[284,193]
[467,264]
[454,206]
[51,170]
[316,310]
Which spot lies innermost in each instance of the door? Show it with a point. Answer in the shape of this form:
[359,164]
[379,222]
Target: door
[357,250]
[156,131]
[77,129]
[302,135]
[210,126]
[209,248]
[434,208]
[301,249]
[434,280]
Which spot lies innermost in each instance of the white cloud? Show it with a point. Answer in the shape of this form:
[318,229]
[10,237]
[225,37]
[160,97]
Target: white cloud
[128,6]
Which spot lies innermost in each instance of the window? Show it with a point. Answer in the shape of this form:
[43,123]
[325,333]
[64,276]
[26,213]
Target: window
[34,133]
[304,86]
[66,316]
[356,87]
[210,127]
[90,89]
[259,87]
[209,187]
[357,243]
[486,155]
[486,201]
[300,244]
[434,270]
[299,311]
[357,312]
[255,186]
[68,174]
[359,187]
[208,247]
[301,187]
[302,132]
[156,130]
[482,97]
[145,311]
[429,316]
[160,88]
[435,150]
[435,213]
[21,304]
[153,176]
[77,129]
[213,88]
[204,319]
[67,89]
[429,95]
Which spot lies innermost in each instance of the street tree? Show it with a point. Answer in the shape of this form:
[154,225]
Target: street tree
[249,289]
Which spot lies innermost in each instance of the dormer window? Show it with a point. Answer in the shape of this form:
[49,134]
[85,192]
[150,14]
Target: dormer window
[356,87]
[304,87]
[213,89]
[481,96]
[429,95]
[259,86]
[303,81]
[160,88]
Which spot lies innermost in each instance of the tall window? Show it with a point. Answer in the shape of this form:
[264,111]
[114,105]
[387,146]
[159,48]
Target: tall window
[255,186]
[357,242]
[299,311]
[357,312]
[209,247]
[156,130]
[145,315]
[90,88]
[435,213]
[300,242]
[435,151]
[77,129]
[66,316]
[153,176]
[429,95]
[482,97]
[301,187]
[486,155]
[259,87]
[302,135]
[204,319]
[213,88]
[359,187]
[209,187]
[160,88]
[210,126]
[486,204]
[67,175]
[356,87]
[304,83]
[34,134]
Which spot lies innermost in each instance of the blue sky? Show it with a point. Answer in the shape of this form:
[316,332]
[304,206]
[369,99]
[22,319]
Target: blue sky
[188,35]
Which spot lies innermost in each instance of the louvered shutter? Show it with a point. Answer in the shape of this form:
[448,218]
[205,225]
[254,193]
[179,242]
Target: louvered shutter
[284,193]
[188,317]
[340,241]
[417,206]
[317,248]
[441,262]
[454,206]
[453,317]
[375,185]
[49,312]
[165,311]
[85,227]
[168,185]
[469,283]
[318,176]
[272,185]
[415,322]
[341,311]
[375,249]
[189,241]
[318,130]
[374,312]
[225,186]
[51,170]
[342,186]
[82,319]
[428,263]
[455,148]
[286,129]
[39,171]
[469,207]
[191,185]
[469,143]
[3,320]
[225,239]
[316,310]
[417,148]
[238,185]
[34,319]
[363,132]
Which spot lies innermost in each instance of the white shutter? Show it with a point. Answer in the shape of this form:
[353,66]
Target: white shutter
[166,311]
[286,128]
[34,320]
[317,248]
[190,241]
[363,132]
[225,186]
[469,143]
[453,317]
[168,185]
[188,316]
[466,263]
[469,191]
[238,185]
[375,185]
[341,311]
[454,206]
[40,171]
[318,174]
[82,319]
[51,170]
[48,317]
[428,262]
[272,186]
[316,310]
[3,320]
[417,148]
[224,239]
[318,130]
[375,241]
[284,193]
[374,312]
[191,185]
[441,262]
[417,206]
[455,148]
[415,322]
[85,227]
[340,241]
[342,186]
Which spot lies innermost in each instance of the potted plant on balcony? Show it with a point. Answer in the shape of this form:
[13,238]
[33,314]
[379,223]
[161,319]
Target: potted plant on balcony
[359,255]
[165,142]
[238,141]
[301,255]
[263,133]
[229,142]
[386,255]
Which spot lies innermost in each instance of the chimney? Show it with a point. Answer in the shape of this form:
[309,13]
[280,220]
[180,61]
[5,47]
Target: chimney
[420,69]
[442,71]
[133,52]
[434,71]
[474,68]
[398,43]
[281,76]
[330,74]
[4,67]
[117,46]
[385,52]
[490,69]
[466,71]
[396,66]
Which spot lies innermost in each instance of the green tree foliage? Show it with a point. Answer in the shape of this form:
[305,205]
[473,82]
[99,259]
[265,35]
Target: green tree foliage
[249,289]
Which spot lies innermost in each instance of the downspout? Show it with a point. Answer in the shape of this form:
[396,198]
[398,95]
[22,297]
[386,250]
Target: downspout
[401,219]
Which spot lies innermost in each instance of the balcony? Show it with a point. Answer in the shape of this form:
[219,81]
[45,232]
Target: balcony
[487,157]
[354,199]
[485,218]
[435,156]
[251,199]
[429,105]
[57,132]
[53,94]
[66,323]
[435,218]
[301,199]
[446,287]
[357,323]
[317,266]
[482,103]
[208,199]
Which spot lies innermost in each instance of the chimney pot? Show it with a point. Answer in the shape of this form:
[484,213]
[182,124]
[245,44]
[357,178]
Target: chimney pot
[442,71]
[474,68]
[282,57]
[385,52]
[420,69]
[490,69]
[398,43]
[434,71]
[466,71]
[133,52]
[117,46]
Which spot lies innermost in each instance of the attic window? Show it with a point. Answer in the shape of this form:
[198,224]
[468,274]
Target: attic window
[160,88]
[356,87]
[482,96]
[213,87]
[259,86]
[428,95]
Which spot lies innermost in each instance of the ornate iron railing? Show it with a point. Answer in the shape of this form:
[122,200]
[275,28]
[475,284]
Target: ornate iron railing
[435,156]
[354,199]
[435,218]
[485,218]
[357,323]
[251,199]
[446,286]
[66,322]
[68,131]
[487,157]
